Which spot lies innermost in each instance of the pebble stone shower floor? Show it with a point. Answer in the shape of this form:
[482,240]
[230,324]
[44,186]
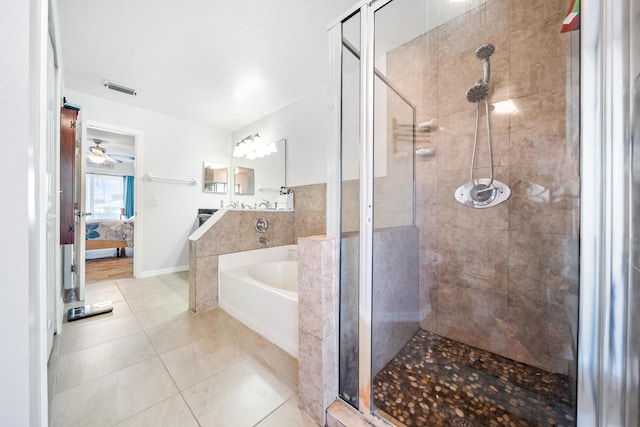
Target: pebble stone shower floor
[434,381]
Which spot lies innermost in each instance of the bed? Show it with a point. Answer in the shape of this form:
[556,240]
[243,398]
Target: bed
[111,234]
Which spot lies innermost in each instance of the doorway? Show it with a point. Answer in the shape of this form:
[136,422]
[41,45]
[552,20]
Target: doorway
[111,199]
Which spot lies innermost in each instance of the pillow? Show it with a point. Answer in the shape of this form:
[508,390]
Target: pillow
[130,220]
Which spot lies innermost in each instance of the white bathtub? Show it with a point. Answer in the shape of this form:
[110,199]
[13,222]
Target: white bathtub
[260,289]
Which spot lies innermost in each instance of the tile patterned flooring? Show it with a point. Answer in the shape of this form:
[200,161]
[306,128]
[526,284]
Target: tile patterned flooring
[435,381]
[152,362]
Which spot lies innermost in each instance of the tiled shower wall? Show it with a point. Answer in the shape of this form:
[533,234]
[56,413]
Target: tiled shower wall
[505,278]
[310,215]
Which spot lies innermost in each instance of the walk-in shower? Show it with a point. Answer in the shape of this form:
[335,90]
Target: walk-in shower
[448,315]
[482,192]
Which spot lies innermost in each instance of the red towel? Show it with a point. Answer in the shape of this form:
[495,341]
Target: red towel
[572,20]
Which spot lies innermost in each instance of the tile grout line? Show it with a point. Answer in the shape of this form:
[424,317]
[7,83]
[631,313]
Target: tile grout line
[106,342]
[56,391]
[171,376]
[173,381]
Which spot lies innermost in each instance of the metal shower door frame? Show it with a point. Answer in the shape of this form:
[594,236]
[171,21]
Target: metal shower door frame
[608,344]
[367,78]
[609,313]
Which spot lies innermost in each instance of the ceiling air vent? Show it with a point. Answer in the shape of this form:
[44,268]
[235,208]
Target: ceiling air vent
[120,88]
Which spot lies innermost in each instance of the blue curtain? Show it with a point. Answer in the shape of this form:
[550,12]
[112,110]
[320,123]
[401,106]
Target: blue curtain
[128,196]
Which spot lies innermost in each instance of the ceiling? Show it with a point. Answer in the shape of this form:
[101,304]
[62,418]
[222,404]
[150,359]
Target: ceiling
[225,63]
[119,145]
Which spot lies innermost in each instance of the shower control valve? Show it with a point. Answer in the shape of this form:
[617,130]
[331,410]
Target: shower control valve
[261,224]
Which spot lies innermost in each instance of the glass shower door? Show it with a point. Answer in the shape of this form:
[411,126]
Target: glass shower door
[350,209]
[395,316]
[473,307]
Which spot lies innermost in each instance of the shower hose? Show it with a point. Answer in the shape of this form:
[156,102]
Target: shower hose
[489,186]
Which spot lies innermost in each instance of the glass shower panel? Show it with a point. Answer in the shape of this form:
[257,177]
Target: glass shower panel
[349,252]
[395,268]
[475,308]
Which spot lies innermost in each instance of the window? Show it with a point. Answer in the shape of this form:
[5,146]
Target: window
[105,196]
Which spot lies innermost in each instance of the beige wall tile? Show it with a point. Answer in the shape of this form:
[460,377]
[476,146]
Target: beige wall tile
[538,49]
[310,375]
[474,258]
[310,287]
[206,277]
[472,316]
[523,247]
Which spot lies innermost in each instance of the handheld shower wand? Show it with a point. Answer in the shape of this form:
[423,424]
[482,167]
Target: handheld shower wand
[482,192]
[484,52]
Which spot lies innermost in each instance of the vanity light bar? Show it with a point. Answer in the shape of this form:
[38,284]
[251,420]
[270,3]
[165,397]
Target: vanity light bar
[120,88]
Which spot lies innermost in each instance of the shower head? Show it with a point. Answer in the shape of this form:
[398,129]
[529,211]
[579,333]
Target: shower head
[485,51]
[478,92]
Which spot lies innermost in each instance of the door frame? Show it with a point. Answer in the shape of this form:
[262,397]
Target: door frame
[137,187]
[55,304]
[608,348]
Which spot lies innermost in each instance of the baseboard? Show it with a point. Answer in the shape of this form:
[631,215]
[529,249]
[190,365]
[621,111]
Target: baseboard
[159,272]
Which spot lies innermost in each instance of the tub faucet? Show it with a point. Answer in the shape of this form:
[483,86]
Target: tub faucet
[265,203]
[232,205]
[246,206]
[263,240]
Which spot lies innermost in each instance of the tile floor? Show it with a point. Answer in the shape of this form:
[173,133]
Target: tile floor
[435,381]
[152,362]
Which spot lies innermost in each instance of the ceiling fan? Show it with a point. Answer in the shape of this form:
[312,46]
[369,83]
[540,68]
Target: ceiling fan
[98,154]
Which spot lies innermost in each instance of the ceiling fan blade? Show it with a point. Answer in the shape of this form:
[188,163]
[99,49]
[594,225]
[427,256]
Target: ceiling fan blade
[112,159]
[107,158]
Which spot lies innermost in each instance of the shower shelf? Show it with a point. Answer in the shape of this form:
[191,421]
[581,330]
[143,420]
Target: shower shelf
[405,132]
[428,126]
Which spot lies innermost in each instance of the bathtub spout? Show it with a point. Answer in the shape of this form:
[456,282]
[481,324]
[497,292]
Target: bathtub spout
[263,240]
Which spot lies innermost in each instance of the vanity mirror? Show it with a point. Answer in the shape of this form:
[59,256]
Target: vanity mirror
[215,178]
[243,181]
[265,174]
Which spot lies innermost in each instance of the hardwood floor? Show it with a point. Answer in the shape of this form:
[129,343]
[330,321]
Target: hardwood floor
[101,269]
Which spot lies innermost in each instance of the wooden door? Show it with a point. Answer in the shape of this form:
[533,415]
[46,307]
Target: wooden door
[68,120]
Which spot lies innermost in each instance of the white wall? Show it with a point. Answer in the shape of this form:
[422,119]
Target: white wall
[23,397]
[305,125]
[174,148]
